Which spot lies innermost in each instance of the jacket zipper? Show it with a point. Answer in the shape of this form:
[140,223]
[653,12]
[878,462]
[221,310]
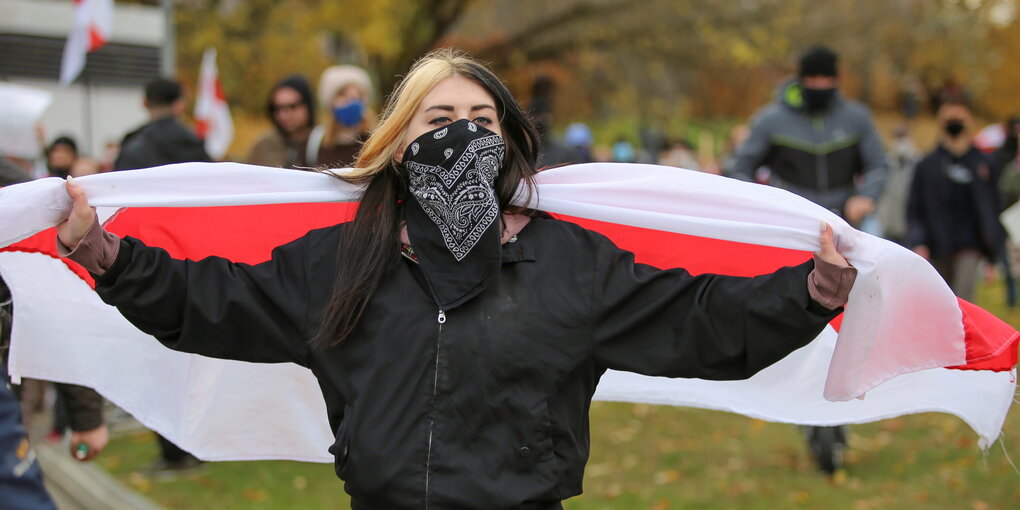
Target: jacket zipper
[441,319]
[823,167]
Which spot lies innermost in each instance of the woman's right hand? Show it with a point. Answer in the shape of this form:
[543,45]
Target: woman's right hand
[81,219]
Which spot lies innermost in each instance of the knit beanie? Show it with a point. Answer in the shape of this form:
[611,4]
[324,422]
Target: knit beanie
[818,61]
[335,78]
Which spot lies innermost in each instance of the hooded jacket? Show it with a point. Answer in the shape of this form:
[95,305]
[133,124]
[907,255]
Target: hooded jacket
[160,142]
[484,405]
[824,156]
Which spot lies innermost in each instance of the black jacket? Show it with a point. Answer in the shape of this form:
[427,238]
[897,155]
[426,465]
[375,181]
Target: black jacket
[160,142]
[488,409]
[954,205]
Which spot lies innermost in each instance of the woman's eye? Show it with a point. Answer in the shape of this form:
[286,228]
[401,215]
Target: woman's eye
[439,121]
[484,121]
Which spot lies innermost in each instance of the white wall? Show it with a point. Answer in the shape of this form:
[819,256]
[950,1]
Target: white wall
[114,112]
[132,24]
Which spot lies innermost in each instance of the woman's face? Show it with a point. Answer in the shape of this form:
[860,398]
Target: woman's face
[450,100]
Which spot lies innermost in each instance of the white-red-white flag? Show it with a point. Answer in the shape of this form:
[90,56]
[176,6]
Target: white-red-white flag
[212,114]
[93,24]
[904,340]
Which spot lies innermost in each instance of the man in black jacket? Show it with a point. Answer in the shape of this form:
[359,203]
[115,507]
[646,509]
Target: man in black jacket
[164,140]
[952,215]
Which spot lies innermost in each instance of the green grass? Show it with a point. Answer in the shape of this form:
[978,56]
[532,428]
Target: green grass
[657,457]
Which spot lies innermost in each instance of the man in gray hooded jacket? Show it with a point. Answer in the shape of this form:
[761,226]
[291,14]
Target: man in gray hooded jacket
[816,143]
[825,148]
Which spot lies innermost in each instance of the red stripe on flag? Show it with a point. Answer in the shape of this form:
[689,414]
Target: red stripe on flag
[240,233]
[983,333]
[219,90]
[695,254]
[45,242]
[249,234]
[96,39]
[201,127]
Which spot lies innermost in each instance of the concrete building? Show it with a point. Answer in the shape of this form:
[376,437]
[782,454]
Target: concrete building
[105,101]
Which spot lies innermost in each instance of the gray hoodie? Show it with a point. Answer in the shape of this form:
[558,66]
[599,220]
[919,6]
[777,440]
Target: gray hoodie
[825,156]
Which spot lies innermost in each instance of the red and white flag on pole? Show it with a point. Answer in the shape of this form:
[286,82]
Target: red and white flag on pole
[904,345]
[93,24]
[212,115]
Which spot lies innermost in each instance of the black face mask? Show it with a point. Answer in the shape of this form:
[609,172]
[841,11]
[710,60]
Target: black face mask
[954,127]
[817,99]
[452,211]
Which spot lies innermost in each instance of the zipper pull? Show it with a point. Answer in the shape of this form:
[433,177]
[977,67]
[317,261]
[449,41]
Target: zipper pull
[442,317]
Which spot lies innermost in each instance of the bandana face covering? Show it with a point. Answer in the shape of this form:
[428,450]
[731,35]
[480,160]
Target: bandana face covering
[452,211]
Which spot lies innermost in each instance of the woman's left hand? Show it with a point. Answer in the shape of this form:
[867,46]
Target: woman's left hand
[828,252]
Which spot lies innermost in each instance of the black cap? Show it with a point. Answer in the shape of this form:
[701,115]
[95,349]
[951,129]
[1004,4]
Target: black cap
[818,61]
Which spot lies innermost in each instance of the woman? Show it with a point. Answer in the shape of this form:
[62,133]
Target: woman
[457,339]
[292,112]
[345,92]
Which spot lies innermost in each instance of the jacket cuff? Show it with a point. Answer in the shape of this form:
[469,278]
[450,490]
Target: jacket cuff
[829,285]
[96,250]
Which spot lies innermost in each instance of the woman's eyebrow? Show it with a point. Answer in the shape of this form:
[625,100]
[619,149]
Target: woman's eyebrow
[450,108]
[444,107]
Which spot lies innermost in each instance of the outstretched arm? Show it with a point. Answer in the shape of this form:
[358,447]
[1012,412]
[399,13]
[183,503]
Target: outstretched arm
[669,323]
[213,307]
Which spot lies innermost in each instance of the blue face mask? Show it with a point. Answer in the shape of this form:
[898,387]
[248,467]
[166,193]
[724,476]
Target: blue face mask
[350,115]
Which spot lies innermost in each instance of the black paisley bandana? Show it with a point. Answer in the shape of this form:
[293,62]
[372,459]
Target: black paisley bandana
[452,212]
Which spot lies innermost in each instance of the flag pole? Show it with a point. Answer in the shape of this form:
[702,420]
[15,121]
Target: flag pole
[87,111]
[168,55]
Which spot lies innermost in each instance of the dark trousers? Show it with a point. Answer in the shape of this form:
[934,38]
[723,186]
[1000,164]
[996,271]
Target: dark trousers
[21,483]
[169,451]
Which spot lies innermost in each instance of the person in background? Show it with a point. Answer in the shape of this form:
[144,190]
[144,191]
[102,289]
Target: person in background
[164,139]
[579,139]
[345,92]
[551,152]
[891,210]
[63,159]
[21,483]
[816,143]
[679,154]
[61,156]
[623,151]
[952,213]
[291,109]
[825,148]
[81,407]
[1007,152]
[1008,174]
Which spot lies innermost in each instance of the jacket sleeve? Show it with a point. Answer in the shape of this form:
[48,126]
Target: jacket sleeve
[754,151]
[214,307]
[669,323]
[84,406]
[874,169]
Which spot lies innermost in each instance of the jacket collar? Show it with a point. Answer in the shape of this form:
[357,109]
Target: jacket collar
[516,248]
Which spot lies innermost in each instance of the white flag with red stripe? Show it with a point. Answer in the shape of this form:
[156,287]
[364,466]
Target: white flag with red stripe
[212,114]
[902,331]
[93,24]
